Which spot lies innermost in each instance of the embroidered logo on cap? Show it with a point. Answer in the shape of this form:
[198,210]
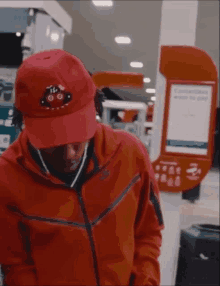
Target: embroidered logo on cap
[55,97]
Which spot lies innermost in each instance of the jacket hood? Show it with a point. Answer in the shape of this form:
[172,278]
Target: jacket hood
[106,143]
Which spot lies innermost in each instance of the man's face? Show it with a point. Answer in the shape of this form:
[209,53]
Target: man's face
[64,158]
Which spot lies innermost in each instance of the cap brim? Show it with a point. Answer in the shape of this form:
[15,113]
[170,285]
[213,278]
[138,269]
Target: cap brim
[53,131]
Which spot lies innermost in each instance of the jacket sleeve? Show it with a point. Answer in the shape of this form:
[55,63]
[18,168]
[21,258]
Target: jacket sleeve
[148,230]
[15,261]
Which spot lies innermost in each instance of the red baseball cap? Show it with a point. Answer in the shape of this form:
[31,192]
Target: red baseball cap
[55,94]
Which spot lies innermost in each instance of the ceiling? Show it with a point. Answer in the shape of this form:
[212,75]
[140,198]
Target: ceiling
[94,30]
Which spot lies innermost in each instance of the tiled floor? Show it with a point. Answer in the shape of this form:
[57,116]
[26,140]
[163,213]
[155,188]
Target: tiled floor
[181,214]
[206,209]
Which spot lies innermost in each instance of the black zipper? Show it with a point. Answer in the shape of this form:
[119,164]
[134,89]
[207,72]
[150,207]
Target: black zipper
[14,209]
[156,204]
[119,198]
[90,235]
[88,225]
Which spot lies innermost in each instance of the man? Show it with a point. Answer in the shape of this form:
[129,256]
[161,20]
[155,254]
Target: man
[79,203]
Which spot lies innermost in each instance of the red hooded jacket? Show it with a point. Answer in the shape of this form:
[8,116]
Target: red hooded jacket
[104,231]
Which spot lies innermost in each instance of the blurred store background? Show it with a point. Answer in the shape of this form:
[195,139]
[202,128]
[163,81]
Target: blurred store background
[116,36]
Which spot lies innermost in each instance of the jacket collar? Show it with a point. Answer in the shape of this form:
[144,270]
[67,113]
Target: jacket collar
[106,143]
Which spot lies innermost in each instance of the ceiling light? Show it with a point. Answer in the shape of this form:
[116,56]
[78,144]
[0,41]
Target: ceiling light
[153,98]
[121,114]
[147,79]
[31,12]
[103,3]
[54,36]
[122,40]
[18,34]
[136,64]
[150,90]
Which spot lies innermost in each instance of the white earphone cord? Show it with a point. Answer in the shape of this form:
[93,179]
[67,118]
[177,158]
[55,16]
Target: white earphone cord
[81,166]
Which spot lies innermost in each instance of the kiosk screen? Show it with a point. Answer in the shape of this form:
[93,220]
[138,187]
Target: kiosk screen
[189,119]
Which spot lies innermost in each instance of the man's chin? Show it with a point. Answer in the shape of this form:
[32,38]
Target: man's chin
[71,168]
[66,168]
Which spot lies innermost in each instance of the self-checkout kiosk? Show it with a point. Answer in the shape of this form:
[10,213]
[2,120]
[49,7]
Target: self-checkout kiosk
[183,121]
[182,143]
[182,151]
[183,136]
[42,25]
[186,139]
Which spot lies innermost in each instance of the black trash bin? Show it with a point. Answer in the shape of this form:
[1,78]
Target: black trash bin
[198,262]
